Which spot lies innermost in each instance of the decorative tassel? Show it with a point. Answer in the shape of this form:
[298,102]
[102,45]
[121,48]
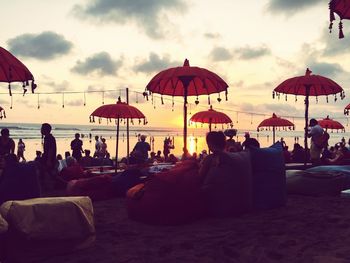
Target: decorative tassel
[33,86]
[103,97]
[196,101]
[316,100]
[331,15]
[327,98]
[84,99]
[330,27]
[296,98]
[62,100]
[273,94]
[161,98]
[286,97]
[11,102]
[24,91]
[209,100]
[226,95]
[38,102]
[341,34]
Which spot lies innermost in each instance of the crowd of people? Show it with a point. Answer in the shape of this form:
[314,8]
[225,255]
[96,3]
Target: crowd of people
[52,163]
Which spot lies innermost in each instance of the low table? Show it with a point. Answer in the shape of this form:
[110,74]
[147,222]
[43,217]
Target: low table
[298,166]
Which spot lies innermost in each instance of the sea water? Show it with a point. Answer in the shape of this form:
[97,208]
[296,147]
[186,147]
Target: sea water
[64,134]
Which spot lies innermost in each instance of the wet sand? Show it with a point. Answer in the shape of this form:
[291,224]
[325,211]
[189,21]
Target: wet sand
[308,229]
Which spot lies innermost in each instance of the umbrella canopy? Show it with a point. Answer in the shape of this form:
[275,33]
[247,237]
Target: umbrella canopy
[13,70]
[118,111]
[331,124]
[275,122]
[2,113]
[309,85]
[347,109]
[211,117]
[342,9]
[187,81]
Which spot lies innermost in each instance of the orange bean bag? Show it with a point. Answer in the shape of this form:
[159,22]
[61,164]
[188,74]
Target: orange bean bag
[97,188]
[168,198]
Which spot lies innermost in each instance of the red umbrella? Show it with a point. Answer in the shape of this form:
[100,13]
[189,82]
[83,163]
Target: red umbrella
[2,113]
[211,117]
[275,122]
[309,85]
[331,124]
[13,70]
[342,9]
[118,111]
[187,81]
[346,110]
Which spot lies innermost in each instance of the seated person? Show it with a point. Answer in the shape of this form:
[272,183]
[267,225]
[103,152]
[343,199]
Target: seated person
[186,155]
[72,171]
[286,154]
[152,157]
[340,153]
[86,160]
[61,163]
[298,154]
[172,159]
[158,157]
[216,143]
[251,142]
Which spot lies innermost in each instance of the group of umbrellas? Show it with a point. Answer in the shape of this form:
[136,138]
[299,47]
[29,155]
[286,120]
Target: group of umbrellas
[188,81]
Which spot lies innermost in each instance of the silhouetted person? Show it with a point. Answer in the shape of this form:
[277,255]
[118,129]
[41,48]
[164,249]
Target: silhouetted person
[142,147]
[315,133]
[159,158]
[49,155]
[77,147]
[98,145]
[86,160]
[298,153]
[20,150]
[7,145]
[168,144]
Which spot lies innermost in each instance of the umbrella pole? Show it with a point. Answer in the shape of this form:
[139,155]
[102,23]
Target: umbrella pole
[185,117]
[127,129]
[306,122]
[116,146]
[274,134]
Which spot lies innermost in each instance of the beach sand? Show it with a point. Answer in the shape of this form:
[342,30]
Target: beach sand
[308,229]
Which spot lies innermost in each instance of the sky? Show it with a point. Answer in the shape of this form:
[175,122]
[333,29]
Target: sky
[96,45]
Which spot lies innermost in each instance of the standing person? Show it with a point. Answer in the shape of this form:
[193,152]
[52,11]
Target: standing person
[246,141]
[98,145]
[49,155]
[77,147]
[103,149]
[316,134]
[20,150]
[168,144]
[7,145]
[142,147]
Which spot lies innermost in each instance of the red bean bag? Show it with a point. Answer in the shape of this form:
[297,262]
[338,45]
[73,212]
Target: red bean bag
[97,188]
[72,173]
[169,198]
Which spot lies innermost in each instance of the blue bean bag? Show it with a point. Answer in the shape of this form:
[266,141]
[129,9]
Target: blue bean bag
[19,182]
[269,178]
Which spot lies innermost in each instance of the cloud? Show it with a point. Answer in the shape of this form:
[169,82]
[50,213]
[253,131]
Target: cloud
[100,63]
[155,63]
[44,46]
[48,101]
[146,14]
[248,52]
[63,86]
[329,70]
[210,35]
[291,6]
[75,103]
[333,45]
[220,54]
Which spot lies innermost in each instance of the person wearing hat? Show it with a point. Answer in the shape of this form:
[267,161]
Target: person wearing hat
[142,147]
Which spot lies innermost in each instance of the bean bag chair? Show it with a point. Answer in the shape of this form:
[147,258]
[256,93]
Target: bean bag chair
[124,181]
[73,172]
[97,188]
[227,187]
[168,198]
[317,182]
[3,241]
[269,178]
[19,181]
[43,227]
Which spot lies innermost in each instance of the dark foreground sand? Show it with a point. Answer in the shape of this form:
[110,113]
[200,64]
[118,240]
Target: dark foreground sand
[308,229]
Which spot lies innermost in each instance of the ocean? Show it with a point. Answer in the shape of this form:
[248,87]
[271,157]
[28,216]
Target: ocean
[64,134]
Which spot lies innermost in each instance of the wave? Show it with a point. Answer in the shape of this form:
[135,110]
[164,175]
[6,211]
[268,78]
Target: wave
[66,129]
[17,128]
